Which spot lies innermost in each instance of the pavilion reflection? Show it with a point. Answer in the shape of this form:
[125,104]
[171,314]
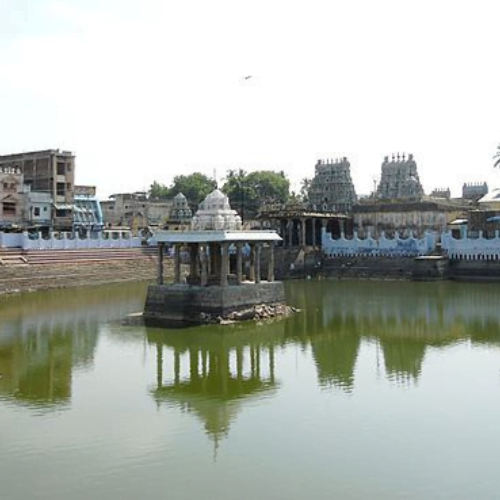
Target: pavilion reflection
[44,337]
[212,372]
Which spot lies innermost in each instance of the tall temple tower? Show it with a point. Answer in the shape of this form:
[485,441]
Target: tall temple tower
[399,179]
[332,188]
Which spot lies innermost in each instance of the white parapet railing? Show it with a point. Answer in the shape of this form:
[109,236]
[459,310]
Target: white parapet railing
[399,246]
[465,248]
[11,240]
[69,241]
[468,248]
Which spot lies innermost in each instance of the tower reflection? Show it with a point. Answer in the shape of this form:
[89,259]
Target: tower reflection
[402,319]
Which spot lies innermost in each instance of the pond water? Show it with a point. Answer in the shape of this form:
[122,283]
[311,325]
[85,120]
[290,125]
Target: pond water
[375,390]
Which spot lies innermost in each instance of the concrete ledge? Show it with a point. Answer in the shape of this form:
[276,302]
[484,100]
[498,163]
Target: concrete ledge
[182,305]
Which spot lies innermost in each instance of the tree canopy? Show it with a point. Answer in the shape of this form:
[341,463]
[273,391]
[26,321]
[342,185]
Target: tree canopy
[195,187]
[247,192]
[159,191]
[496,157]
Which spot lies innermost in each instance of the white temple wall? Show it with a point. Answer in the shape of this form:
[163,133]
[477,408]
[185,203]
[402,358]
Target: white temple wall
[461,249]
[68,241]
[397,246]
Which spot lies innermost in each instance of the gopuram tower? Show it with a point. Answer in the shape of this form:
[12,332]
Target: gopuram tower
[399,179]
[332,189]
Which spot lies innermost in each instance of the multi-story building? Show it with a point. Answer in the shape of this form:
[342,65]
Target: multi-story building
[87,210]
[11,196]
[134,210]
[49,171]
[38,213]
[332,189]
[474,190]
[399,179]
[405,216]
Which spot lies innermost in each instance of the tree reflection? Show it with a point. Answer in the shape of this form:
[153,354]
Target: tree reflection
[44,337]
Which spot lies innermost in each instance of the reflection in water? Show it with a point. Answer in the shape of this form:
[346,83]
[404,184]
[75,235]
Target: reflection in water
[258,385]
[402,318]
[45,336]
[210,371]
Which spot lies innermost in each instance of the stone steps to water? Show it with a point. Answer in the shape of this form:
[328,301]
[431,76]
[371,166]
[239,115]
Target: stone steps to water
[44,269]
[81,273]
[24,257]
[12,257]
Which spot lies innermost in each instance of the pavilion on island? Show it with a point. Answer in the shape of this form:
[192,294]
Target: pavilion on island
[225,272]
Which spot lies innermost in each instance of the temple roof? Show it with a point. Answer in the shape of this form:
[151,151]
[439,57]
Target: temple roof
[213,236]
[215,213]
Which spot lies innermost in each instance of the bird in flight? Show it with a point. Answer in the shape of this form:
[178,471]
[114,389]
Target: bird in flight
[247,77]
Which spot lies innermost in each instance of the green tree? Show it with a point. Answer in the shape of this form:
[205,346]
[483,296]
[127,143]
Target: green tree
[247,192]
[195,187]
[496,157]
[305,186]
[158,191]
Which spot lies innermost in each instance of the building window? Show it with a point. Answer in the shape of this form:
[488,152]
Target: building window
[61,170]
[9,208]
[44,209]
[68,186]
[61,189]
[37,212]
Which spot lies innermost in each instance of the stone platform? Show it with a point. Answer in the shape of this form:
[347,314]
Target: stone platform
[178,305]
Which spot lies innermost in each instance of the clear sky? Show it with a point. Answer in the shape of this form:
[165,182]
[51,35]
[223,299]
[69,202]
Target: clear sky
[143,90]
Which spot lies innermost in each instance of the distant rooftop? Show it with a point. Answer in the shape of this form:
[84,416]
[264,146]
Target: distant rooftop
[493,195]
[41,152]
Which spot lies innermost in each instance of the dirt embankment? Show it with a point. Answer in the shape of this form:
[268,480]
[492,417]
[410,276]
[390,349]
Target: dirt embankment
[31,277]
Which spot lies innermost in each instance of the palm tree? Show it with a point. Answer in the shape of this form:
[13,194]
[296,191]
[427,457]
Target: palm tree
[496,157]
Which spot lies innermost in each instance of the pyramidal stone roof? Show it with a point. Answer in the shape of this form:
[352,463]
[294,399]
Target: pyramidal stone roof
[215,213]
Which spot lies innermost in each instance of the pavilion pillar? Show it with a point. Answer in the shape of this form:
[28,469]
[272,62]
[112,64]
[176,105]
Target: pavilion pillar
[194,270]
[203,265]
[252,262]
[177,263]
[313,232]
[215,259]
[282,232]
[342,227]
[239,262]
[224,268]
[161,247]
[302,232]
[289,225]
[270,264]
[258,248]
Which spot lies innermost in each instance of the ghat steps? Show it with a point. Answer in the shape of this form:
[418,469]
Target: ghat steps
[46,269]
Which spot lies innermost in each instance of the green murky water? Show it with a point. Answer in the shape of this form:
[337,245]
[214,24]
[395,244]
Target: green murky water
[374,391]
